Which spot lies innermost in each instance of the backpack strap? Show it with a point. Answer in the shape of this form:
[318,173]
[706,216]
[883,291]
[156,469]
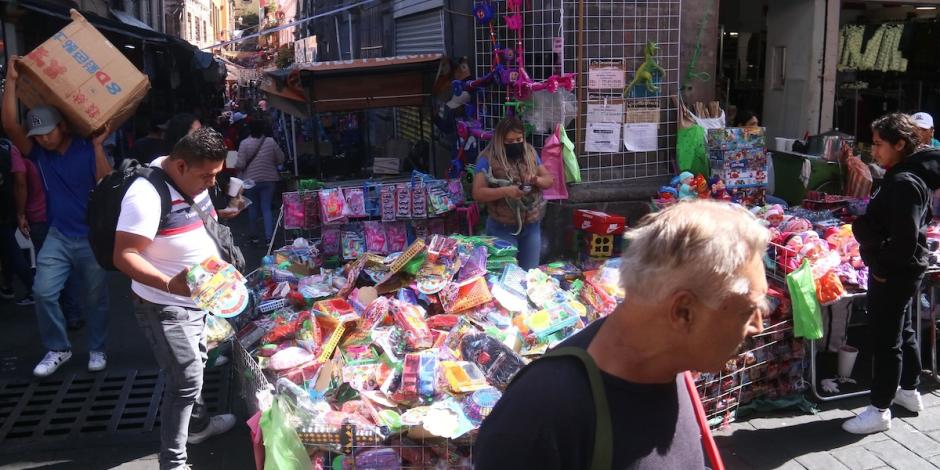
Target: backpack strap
[157,178]
[603,454]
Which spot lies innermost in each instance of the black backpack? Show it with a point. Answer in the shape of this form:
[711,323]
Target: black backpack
[104,209]
[104,206]
[7,207]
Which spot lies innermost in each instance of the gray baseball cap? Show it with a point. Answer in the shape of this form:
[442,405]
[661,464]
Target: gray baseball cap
[41,120]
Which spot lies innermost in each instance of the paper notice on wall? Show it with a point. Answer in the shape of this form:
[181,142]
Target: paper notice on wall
[641,137]
[605,111]
[606,75]
[602,137]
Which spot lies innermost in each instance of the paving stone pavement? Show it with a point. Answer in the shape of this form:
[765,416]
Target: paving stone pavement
[796,440]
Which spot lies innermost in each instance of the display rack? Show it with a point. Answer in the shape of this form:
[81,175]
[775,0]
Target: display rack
[564,36]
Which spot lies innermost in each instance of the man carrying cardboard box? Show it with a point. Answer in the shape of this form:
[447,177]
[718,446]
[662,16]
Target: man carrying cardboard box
[70,166]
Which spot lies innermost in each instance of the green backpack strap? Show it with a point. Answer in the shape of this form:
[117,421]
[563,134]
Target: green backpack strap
[603,456]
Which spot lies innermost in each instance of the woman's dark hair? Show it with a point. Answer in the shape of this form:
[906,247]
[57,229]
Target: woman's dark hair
[896,127]
[178,127]
[257,128]
[742,117]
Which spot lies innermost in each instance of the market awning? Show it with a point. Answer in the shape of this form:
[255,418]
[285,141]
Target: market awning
[357,84]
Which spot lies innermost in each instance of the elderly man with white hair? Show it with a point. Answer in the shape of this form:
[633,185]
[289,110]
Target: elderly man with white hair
[695,288]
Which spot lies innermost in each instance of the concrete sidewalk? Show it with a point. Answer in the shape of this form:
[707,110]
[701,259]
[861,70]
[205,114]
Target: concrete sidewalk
[817,441]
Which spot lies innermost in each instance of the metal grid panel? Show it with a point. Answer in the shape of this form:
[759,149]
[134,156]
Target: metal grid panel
[594,29]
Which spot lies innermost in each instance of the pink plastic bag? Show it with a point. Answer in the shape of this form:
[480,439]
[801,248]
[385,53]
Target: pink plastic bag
[257,440]
[553,162]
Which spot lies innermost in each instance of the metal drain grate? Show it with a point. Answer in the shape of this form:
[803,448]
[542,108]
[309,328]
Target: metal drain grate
[84,404]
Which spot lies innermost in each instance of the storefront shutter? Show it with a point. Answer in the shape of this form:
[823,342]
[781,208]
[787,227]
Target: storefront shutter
[420,33]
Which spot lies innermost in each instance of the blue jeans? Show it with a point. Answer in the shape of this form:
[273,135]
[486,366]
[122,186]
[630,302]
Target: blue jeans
[261,195]
[177,337]
[529,240]
[59,258]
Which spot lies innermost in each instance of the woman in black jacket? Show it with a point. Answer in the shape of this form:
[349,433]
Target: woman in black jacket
[892,236]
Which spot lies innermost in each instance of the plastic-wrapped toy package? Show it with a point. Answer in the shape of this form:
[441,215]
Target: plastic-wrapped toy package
[419,200]
[372,199]
[355,202]
[332,205]
[354,245]
[396,236]
[387,200]
[330,241]
[374,233]
[294,217]
[421,229]
[403,201]
[455,192]
[311,202]
[438,198]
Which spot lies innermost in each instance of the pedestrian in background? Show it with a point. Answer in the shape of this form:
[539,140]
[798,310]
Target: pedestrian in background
[258,157]
[892,235]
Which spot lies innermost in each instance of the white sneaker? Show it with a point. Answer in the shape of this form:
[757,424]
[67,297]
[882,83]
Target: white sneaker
[97,361]
[870,421]
[51,363]
[909,400]
[218,424]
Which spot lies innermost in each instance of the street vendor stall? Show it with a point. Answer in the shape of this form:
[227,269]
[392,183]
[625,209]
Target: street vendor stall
[398,359]
[336,99]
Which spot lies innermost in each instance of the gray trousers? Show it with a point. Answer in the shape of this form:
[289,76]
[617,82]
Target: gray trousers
[177,337]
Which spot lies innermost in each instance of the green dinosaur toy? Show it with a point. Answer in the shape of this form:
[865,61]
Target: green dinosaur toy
[644,74]
[519,206]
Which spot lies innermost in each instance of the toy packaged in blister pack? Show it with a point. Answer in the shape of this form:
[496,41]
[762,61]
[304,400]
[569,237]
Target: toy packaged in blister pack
[355,202]
[438,198]
[330,241]
[396,236]
[372,199]
[293,211]
[311,202]
[354,245]
[374,232]
[387,200]
[332,205]
[403,201]
[419,200]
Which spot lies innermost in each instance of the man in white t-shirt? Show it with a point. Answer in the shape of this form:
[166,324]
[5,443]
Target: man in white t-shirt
[156,252]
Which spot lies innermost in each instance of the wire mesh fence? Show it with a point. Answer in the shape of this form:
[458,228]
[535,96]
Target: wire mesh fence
[568,36]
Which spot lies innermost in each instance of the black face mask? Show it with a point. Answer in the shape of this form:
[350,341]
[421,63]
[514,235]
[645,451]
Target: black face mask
[515,151]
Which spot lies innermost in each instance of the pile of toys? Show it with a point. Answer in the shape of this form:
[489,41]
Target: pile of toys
[411,350]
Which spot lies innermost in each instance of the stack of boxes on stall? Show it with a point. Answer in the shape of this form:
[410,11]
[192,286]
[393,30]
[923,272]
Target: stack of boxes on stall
[738,155]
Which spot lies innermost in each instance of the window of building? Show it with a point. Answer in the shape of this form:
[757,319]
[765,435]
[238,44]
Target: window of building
[196,37]
[189,19]
[205,31]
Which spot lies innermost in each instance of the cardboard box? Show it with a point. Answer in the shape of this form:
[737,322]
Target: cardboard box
[599,223]
[84,76]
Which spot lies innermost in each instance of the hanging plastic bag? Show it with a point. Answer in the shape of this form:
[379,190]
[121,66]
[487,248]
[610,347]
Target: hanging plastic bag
[552,161]
[690,151]
[572,168]
[807,314]
[283,449]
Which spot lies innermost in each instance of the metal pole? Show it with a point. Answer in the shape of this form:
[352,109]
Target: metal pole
[293,139]
[339,44]
[349,26]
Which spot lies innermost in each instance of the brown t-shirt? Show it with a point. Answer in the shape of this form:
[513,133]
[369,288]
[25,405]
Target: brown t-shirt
[499,210]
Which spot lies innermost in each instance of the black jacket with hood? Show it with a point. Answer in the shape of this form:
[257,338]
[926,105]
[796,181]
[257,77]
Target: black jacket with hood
[893,233]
